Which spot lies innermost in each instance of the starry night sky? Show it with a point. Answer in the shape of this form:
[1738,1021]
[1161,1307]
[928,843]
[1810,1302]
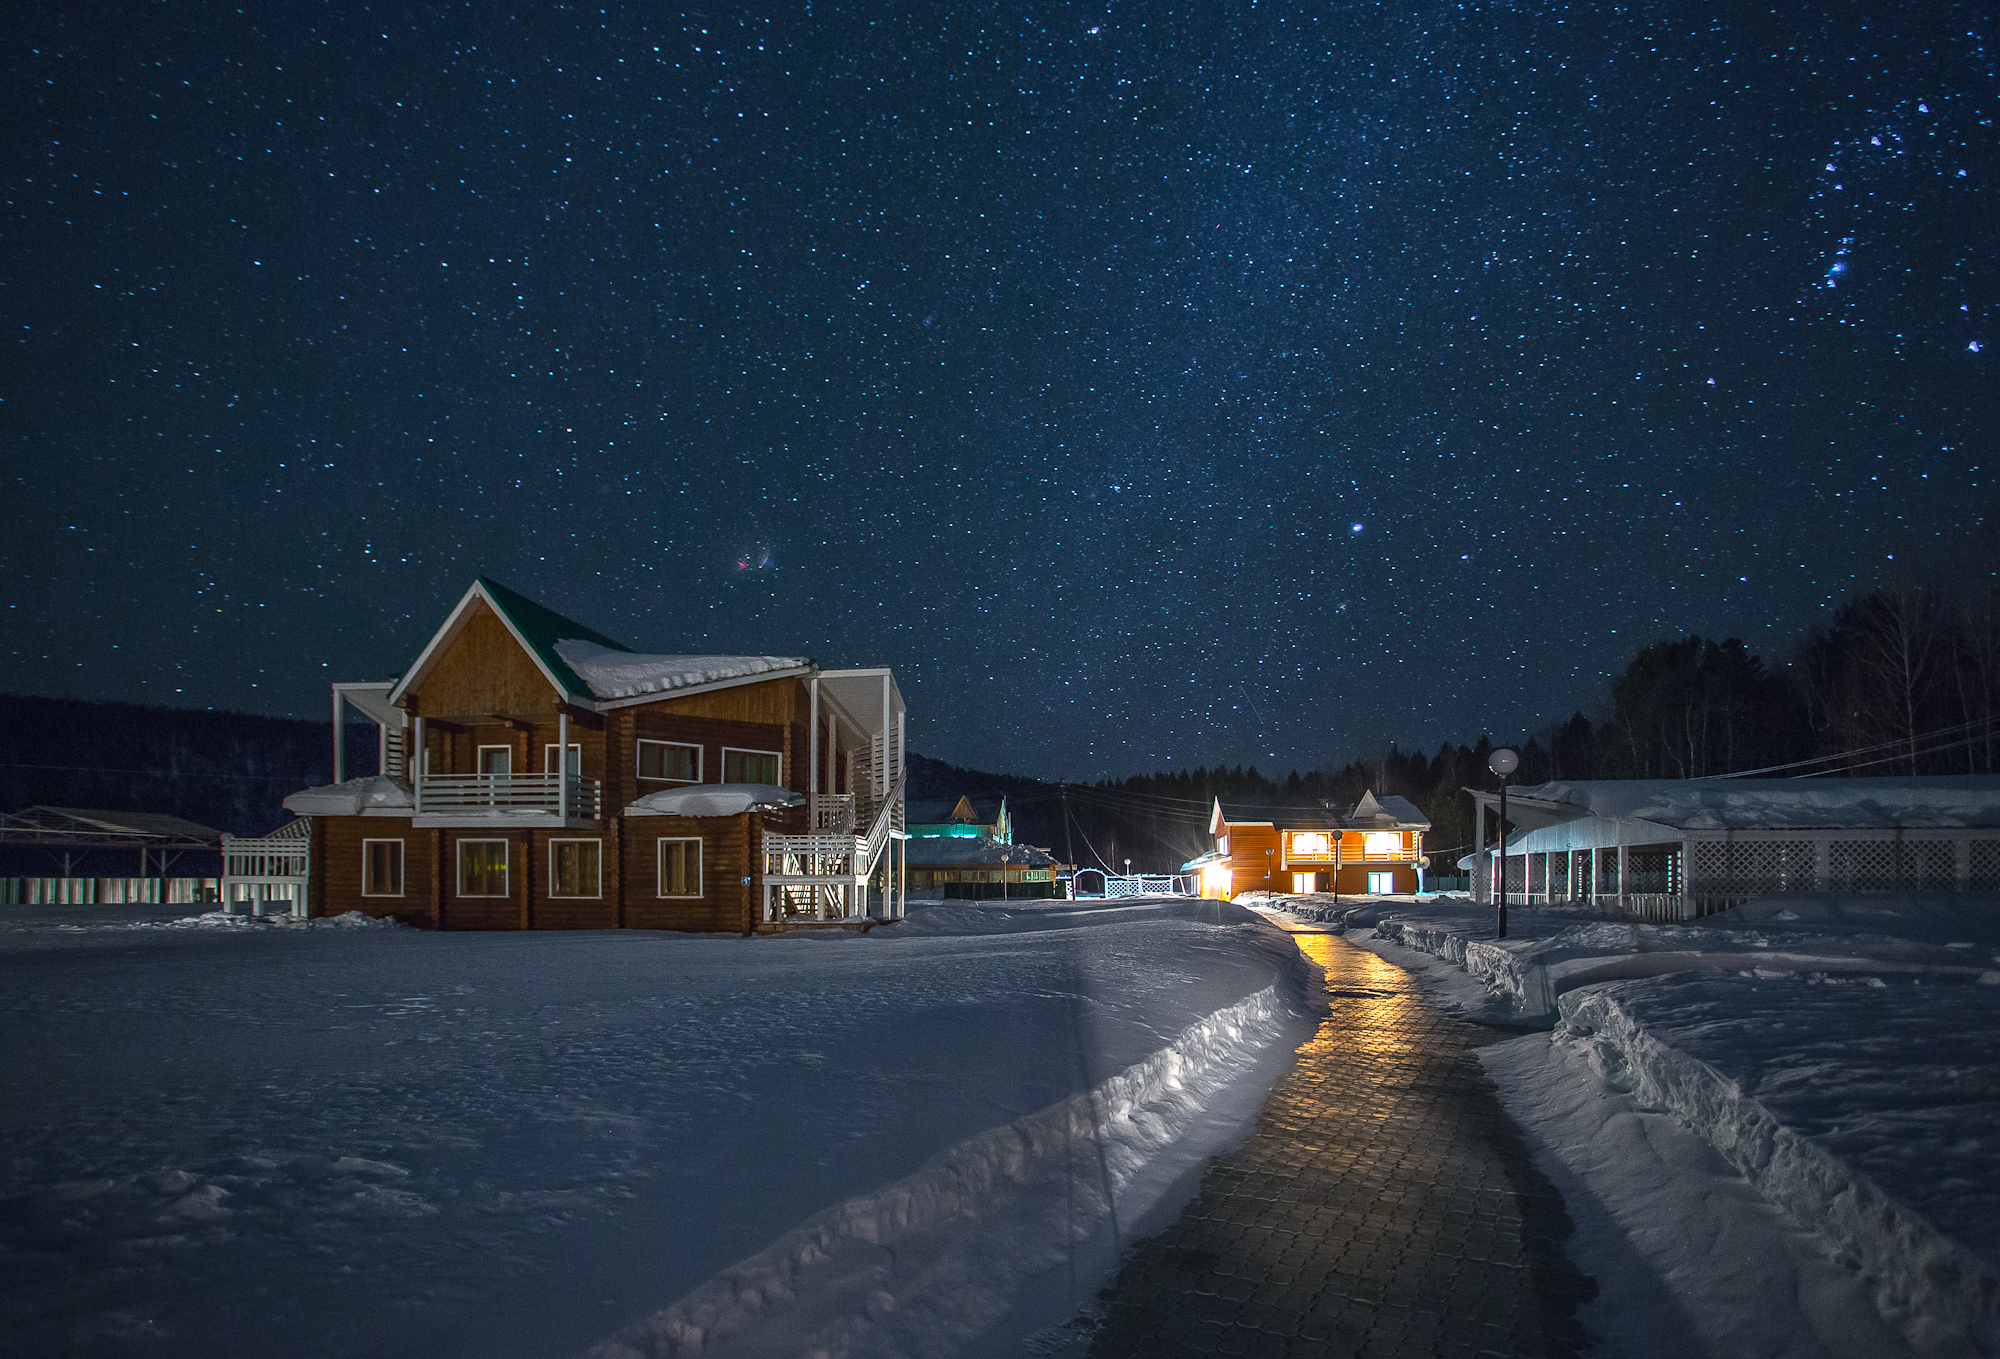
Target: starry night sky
[1148,386]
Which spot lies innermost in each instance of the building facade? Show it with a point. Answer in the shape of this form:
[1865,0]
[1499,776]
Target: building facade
[1375,849]
[532,773]
[1680,849]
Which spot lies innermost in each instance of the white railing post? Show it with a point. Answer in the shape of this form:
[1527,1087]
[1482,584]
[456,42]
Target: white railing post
[562,765]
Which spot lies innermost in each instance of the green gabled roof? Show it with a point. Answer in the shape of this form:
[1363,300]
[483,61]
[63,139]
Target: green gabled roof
[540,628]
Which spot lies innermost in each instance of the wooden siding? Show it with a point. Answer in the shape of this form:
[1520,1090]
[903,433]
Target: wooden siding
[1250,869]
[337,868]
[482,671]
[725,844]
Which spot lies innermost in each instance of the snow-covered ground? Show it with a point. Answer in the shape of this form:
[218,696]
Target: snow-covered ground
[258,1139]
[1787,1110]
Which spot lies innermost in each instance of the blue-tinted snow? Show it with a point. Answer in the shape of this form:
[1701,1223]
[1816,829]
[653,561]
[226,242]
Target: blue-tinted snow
[261,1140]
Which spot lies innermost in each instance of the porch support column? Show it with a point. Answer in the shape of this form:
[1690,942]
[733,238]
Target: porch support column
[882,765]
[339,738]
[562,765]
[1687,880]
[812,763]
[1624,864]
[1478,850]
[420,765]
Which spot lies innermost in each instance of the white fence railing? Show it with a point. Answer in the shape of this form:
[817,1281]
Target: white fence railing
[822,877]
[268,874]
[537,794]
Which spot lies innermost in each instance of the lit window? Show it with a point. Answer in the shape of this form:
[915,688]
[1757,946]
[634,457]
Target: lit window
[680,868]
[574,868]
[1381,884]
[669,762]
[750,766]
[1309,842]
[482,868]
[1384,842]
[381,868]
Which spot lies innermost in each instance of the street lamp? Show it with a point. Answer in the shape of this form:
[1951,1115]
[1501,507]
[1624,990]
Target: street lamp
[1503,763]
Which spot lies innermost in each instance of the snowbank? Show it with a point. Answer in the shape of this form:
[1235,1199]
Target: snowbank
[938,1256]
[1865,1111]
[394,1142]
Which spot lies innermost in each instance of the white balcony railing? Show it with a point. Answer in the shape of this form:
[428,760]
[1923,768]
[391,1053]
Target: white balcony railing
[523,795]
[823,876]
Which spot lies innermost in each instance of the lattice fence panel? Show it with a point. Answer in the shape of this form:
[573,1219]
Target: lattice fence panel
[1925,865]
[1985,866]
[1753,867]
[1558,885]
[1862,866]
[1538,873]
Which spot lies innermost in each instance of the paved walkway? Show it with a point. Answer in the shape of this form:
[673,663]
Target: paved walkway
[1384,1206]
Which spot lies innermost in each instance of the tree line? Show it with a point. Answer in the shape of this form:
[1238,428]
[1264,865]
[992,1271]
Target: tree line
[1901,680]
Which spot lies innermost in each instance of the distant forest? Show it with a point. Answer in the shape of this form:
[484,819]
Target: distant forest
[226,770]
[1904,680]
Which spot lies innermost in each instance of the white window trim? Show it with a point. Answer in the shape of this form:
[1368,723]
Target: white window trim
[506,868]
[479,759]
[549,754]
[402,868]
[1387,879]
[598,895]
[660,867]
[654,778]
[746,750]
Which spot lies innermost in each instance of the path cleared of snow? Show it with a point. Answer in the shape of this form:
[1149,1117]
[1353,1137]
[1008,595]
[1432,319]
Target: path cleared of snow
[1836,1055]
[261,1139]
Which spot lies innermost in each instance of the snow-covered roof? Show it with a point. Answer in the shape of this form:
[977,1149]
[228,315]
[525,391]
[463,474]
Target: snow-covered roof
[951,851]
[1388,812]
[715,799]
[375,793]
[628,674]
[1939,802]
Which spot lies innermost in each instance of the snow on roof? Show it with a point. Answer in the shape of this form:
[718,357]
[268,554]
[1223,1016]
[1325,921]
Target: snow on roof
[951,851]
[375,792]
[714,799]
[1938,802]
[1389,812]
[627,674]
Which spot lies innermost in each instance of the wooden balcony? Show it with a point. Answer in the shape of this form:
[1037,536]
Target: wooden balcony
[508,800]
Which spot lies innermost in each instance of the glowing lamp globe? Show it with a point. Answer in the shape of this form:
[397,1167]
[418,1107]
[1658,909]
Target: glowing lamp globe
[1504,762]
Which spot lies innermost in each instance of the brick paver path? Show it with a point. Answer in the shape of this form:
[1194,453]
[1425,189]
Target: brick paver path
[1384,1206]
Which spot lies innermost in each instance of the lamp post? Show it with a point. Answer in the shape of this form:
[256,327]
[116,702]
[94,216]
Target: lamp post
[1503,763]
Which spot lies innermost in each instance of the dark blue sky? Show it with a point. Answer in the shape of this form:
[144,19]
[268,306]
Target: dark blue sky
[1148,386]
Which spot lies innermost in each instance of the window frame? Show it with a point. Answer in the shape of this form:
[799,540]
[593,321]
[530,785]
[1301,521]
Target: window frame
[777,755]
[1302,848]
[479,761]
[1388,881]
[1373,846]
[598,894]
[506,867]
[638,762]
[548,755]
[402,860]
[660,867]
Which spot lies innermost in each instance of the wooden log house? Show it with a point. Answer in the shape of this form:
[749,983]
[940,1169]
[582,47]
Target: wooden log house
[519,758]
